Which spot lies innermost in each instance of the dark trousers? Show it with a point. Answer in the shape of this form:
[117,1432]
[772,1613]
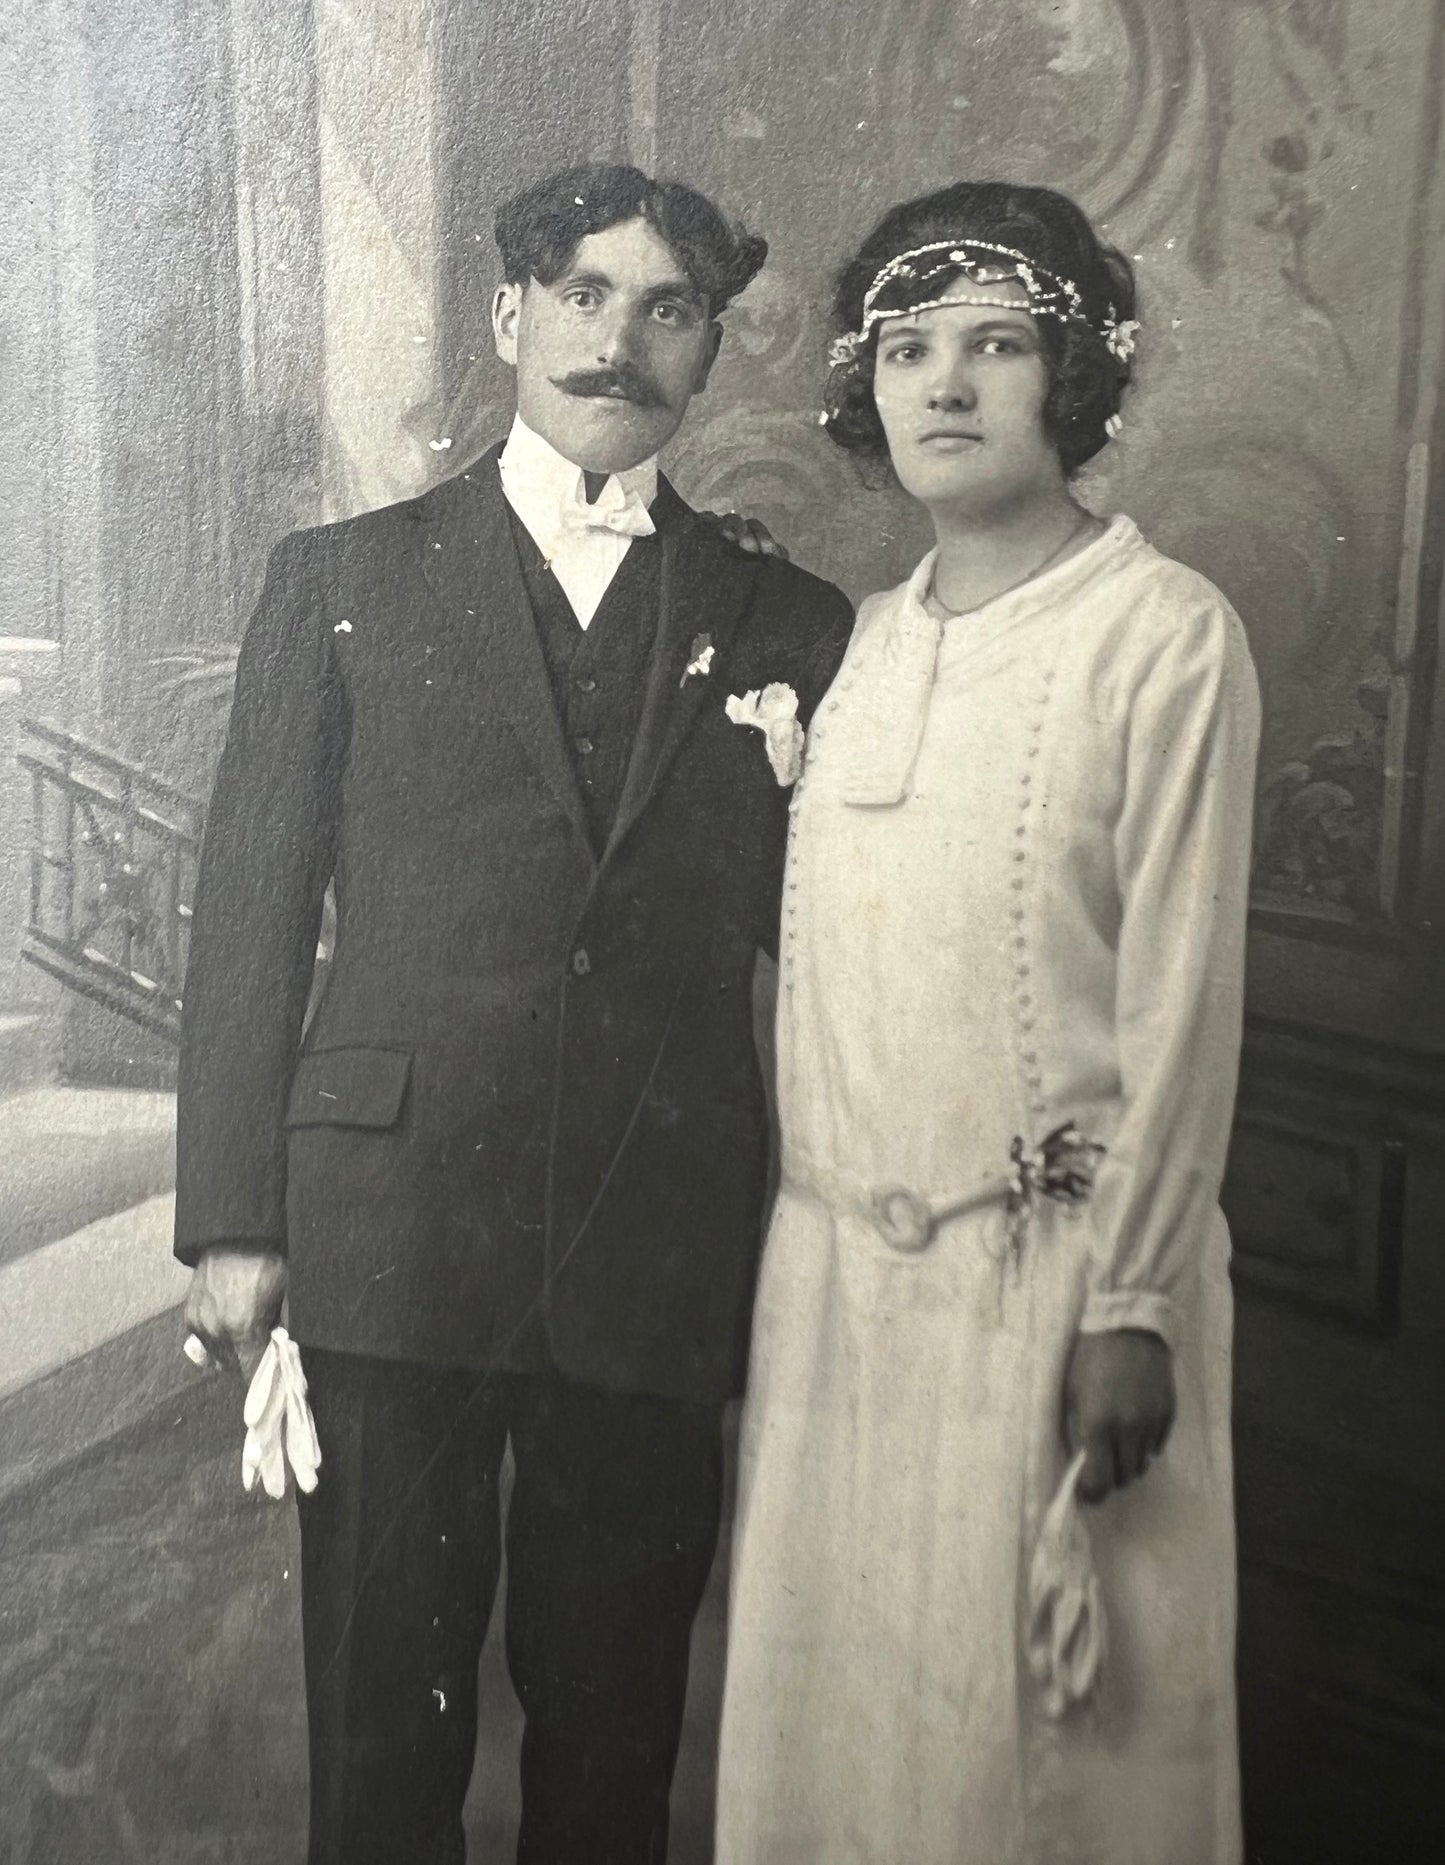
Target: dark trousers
[611,1531]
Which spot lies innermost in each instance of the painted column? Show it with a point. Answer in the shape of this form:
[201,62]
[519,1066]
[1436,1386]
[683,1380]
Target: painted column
[379,245]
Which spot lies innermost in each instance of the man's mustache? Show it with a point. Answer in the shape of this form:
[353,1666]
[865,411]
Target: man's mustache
[621,379]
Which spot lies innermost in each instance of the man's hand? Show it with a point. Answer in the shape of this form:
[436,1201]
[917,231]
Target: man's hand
[233,1303]
[1118,1406]
[749,534]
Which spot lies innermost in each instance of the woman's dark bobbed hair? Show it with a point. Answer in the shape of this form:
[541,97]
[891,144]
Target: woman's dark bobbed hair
[1086,378]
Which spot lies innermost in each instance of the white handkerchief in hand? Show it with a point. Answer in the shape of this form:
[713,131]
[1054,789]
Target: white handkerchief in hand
[1066,1608]
[280,1430]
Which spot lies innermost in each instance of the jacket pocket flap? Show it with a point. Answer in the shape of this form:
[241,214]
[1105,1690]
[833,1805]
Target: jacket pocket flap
[355,1087]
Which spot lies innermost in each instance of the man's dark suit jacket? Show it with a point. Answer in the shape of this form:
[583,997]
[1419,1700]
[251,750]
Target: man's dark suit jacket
[526,1123]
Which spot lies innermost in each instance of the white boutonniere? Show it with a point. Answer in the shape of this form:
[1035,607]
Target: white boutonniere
[701,662]
[774,712]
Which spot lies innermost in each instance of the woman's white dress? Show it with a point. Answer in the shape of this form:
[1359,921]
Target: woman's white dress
[1016,896]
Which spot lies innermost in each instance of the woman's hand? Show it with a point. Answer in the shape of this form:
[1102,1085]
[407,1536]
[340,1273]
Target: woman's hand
[1118,1406]
[749,534]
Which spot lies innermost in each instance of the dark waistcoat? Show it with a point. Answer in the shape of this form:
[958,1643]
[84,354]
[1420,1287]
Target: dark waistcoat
[599,674]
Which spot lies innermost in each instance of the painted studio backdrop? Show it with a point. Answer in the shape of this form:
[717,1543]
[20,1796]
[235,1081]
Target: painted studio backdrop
[245,266]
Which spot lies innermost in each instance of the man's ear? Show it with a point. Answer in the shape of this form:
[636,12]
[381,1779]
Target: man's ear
[506,316]
[708,357]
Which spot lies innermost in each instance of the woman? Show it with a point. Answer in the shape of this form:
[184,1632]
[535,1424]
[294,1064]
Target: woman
[1008,1033]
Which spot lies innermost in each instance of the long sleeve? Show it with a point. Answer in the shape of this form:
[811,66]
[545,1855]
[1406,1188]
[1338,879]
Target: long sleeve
[267,856]
[1182,852]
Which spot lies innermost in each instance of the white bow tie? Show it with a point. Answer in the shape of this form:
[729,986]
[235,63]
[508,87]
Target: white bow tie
[614,509]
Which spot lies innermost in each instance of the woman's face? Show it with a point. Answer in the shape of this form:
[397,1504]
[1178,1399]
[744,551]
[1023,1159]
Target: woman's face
[960,391]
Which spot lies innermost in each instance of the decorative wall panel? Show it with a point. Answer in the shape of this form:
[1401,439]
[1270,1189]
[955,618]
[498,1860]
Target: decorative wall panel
[1317,1212]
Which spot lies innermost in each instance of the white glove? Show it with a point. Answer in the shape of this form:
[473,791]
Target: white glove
[1066,1642]
[279,1427]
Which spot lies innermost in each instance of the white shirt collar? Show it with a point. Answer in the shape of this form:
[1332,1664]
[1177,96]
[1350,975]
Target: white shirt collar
[540,482]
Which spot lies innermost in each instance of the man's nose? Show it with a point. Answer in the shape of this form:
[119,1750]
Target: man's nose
[617,337]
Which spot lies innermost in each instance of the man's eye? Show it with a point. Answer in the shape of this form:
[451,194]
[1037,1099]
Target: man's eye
[584,298]
[670,313]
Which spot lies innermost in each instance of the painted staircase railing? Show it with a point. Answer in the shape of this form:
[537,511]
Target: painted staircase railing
[112,870]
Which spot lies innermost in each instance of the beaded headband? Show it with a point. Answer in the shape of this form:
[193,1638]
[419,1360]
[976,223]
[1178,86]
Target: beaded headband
[982,263]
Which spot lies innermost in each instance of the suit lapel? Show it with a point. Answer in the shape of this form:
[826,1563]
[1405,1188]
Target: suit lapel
[705,587]
[483,574]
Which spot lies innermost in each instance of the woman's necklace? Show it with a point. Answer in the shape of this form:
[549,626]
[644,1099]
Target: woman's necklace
[1085,521]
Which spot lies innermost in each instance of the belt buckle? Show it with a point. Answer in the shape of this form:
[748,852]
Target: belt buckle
[903,1219]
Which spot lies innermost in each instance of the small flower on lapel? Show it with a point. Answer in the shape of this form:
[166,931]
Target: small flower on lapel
[701,662]
[774,712]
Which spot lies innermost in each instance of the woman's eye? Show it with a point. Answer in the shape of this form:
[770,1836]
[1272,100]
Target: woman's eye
[904,353]
[1002,346]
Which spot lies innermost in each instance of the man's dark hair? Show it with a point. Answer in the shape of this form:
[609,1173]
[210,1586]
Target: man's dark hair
[538,230]
[1086,380]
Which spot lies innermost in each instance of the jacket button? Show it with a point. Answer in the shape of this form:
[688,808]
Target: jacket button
[586,685]
[581,964]
[585,747]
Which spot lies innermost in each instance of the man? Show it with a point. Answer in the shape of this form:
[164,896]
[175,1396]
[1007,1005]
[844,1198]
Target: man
[511,1178]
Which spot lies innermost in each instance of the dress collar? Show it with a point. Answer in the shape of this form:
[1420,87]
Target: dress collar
[1119,535]
[895,655]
